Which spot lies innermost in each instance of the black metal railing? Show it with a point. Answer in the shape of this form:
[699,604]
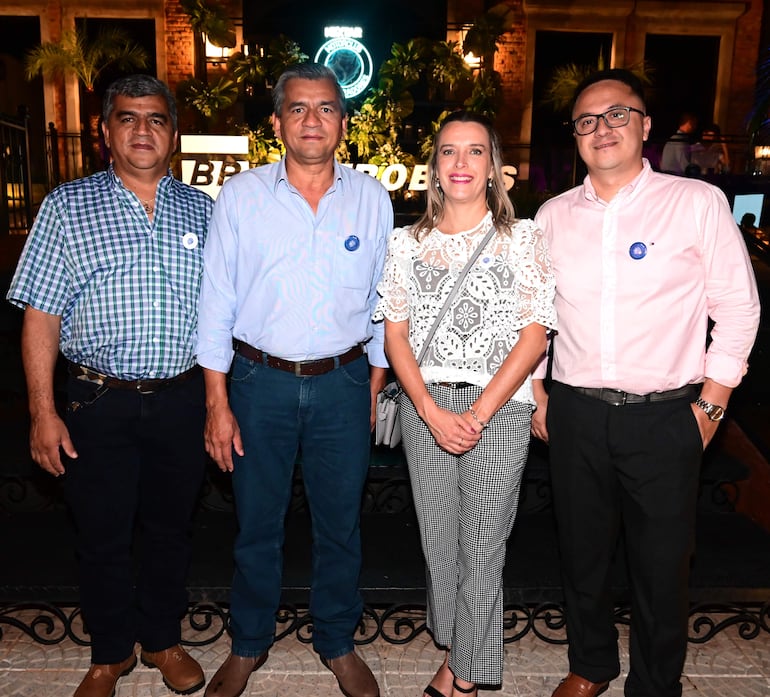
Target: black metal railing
[67,156]
[15,189]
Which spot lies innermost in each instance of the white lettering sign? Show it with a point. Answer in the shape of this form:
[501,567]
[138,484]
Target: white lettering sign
[207,161]
[350,32]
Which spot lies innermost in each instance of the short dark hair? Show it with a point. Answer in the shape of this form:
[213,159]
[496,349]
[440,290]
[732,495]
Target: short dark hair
[617,74]
[139,86]
[306,71]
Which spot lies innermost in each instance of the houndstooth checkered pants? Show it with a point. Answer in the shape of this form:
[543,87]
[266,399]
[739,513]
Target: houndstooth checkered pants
[466,506]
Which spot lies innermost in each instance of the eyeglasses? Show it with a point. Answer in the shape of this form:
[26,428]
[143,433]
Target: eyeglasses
[617,117]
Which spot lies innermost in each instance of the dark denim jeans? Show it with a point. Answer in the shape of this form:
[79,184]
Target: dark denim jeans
[139,467]
[327,417]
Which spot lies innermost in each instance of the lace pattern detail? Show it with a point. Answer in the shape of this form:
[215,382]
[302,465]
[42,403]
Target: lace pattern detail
[509,287]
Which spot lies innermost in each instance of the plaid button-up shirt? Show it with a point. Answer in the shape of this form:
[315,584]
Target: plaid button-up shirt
[126,287]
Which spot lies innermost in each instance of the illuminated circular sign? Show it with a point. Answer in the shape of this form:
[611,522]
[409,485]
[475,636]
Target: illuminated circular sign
[350,61]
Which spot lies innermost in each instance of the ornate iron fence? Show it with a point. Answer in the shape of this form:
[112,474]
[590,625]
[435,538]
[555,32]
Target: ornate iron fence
[15,187]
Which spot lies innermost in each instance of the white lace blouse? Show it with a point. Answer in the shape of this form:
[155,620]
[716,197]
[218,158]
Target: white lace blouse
[509,287]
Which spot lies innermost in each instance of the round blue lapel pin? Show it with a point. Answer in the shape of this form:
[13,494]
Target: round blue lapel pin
[638,250]
[352,243]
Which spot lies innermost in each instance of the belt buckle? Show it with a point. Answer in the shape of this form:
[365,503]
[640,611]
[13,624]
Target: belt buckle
[139,389]
[621,396]
[298,369]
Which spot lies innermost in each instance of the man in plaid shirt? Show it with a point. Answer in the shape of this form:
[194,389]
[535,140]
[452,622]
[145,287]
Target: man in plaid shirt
[110,276]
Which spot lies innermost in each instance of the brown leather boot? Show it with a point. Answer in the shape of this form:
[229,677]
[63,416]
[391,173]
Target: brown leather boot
[101,678]
[353,675]
[575,686]
[231,678]
[181,672]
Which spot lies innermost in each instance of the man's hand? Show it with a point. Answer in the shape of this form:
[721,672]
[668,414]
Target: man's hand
[46,435]
[39,349]
[538,427]
[377,377]
[706,426]
[715,393]
[222,435]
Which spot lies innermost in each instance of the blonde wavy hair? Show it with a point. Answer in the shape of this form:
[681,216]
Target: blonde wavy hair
[498,200]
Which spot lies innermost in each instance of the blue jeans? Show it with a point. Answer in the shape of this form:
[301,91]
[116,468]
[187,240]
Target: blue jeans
[327,417]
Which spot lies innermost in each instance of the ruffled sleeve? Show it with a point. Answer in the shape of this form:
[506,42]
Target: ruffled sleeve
[535,284]
[392,288]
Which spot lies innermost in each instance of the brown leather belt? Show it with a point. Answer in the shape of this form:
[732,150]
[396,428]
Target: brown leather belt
[618,398]
[299,368]
[143,386]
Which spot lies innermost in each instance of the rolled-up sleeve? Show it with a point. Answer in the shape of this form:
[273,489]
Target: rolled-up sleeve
[216,315]
[731,295]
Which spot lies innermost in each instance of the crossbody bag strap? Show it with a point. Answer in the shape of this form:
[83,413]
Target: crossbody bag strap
[455,290]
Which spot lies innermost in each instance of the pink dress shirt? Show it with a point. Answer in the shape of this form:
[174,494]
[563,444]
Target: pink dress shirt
[637,279]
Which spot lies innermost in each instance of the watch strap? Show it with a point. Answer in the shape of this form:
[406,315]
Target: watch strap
[713,411]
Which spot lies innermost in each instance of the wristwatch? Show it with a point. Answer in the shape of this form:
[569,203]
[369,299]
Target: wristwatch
[713,411]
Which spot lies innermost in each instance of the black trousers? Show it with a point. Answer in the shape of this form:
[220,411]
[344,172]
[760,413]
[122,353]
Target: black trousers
[630,470]
[139,469]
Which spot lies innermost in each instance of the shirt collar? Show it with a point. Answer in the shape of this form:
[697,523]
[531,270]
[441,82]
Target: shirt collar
[280,175]
[589,192]
[116,183]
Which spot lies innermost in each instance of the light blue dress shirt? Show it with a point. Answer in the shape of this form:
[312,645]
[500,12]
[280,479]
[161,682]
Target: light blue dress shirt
[297,284]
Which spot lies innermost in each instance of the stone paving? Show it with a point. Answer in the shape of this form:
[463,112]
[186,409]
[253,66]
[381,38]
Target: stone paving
[725,666]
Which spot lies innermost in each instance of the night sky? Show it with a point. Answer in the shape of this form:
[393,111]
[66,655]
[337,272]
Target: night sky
[383,22]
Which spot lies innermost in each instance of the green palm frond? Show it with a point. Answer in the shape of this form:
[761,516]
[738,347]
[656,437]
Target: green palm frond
[87,59]
[565,79]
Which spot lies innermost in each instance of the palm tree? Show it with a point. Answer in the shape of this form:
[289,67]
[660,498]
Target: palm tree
[565,79]
[87,59]
[75,53]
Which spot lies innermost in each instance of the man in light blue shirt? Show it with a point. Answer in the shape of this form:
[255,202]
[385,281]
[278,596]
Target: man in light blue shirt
[294,254]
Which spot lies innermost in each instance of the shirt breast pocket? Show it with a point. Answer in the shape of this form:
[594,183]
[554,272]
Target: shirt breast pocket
[353,263]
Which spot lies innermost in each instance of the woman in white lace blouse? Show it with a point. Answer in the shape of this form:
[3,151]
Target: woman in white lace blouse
[466,411]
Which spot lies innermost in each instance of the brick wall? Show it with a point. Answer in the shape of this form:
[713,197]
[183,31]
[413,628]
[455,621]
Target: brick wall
[743,77]
[510,62]
[179,44]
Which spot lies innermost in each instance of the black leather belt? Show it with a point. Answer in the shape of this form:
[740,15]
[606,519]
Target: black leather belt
[143,386]
[299,368]
[456,385]
[618,398]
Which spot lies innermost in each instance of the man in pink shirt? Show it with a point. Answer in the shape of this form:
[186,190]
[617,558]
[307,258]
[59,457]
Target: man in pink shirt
[642,261]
